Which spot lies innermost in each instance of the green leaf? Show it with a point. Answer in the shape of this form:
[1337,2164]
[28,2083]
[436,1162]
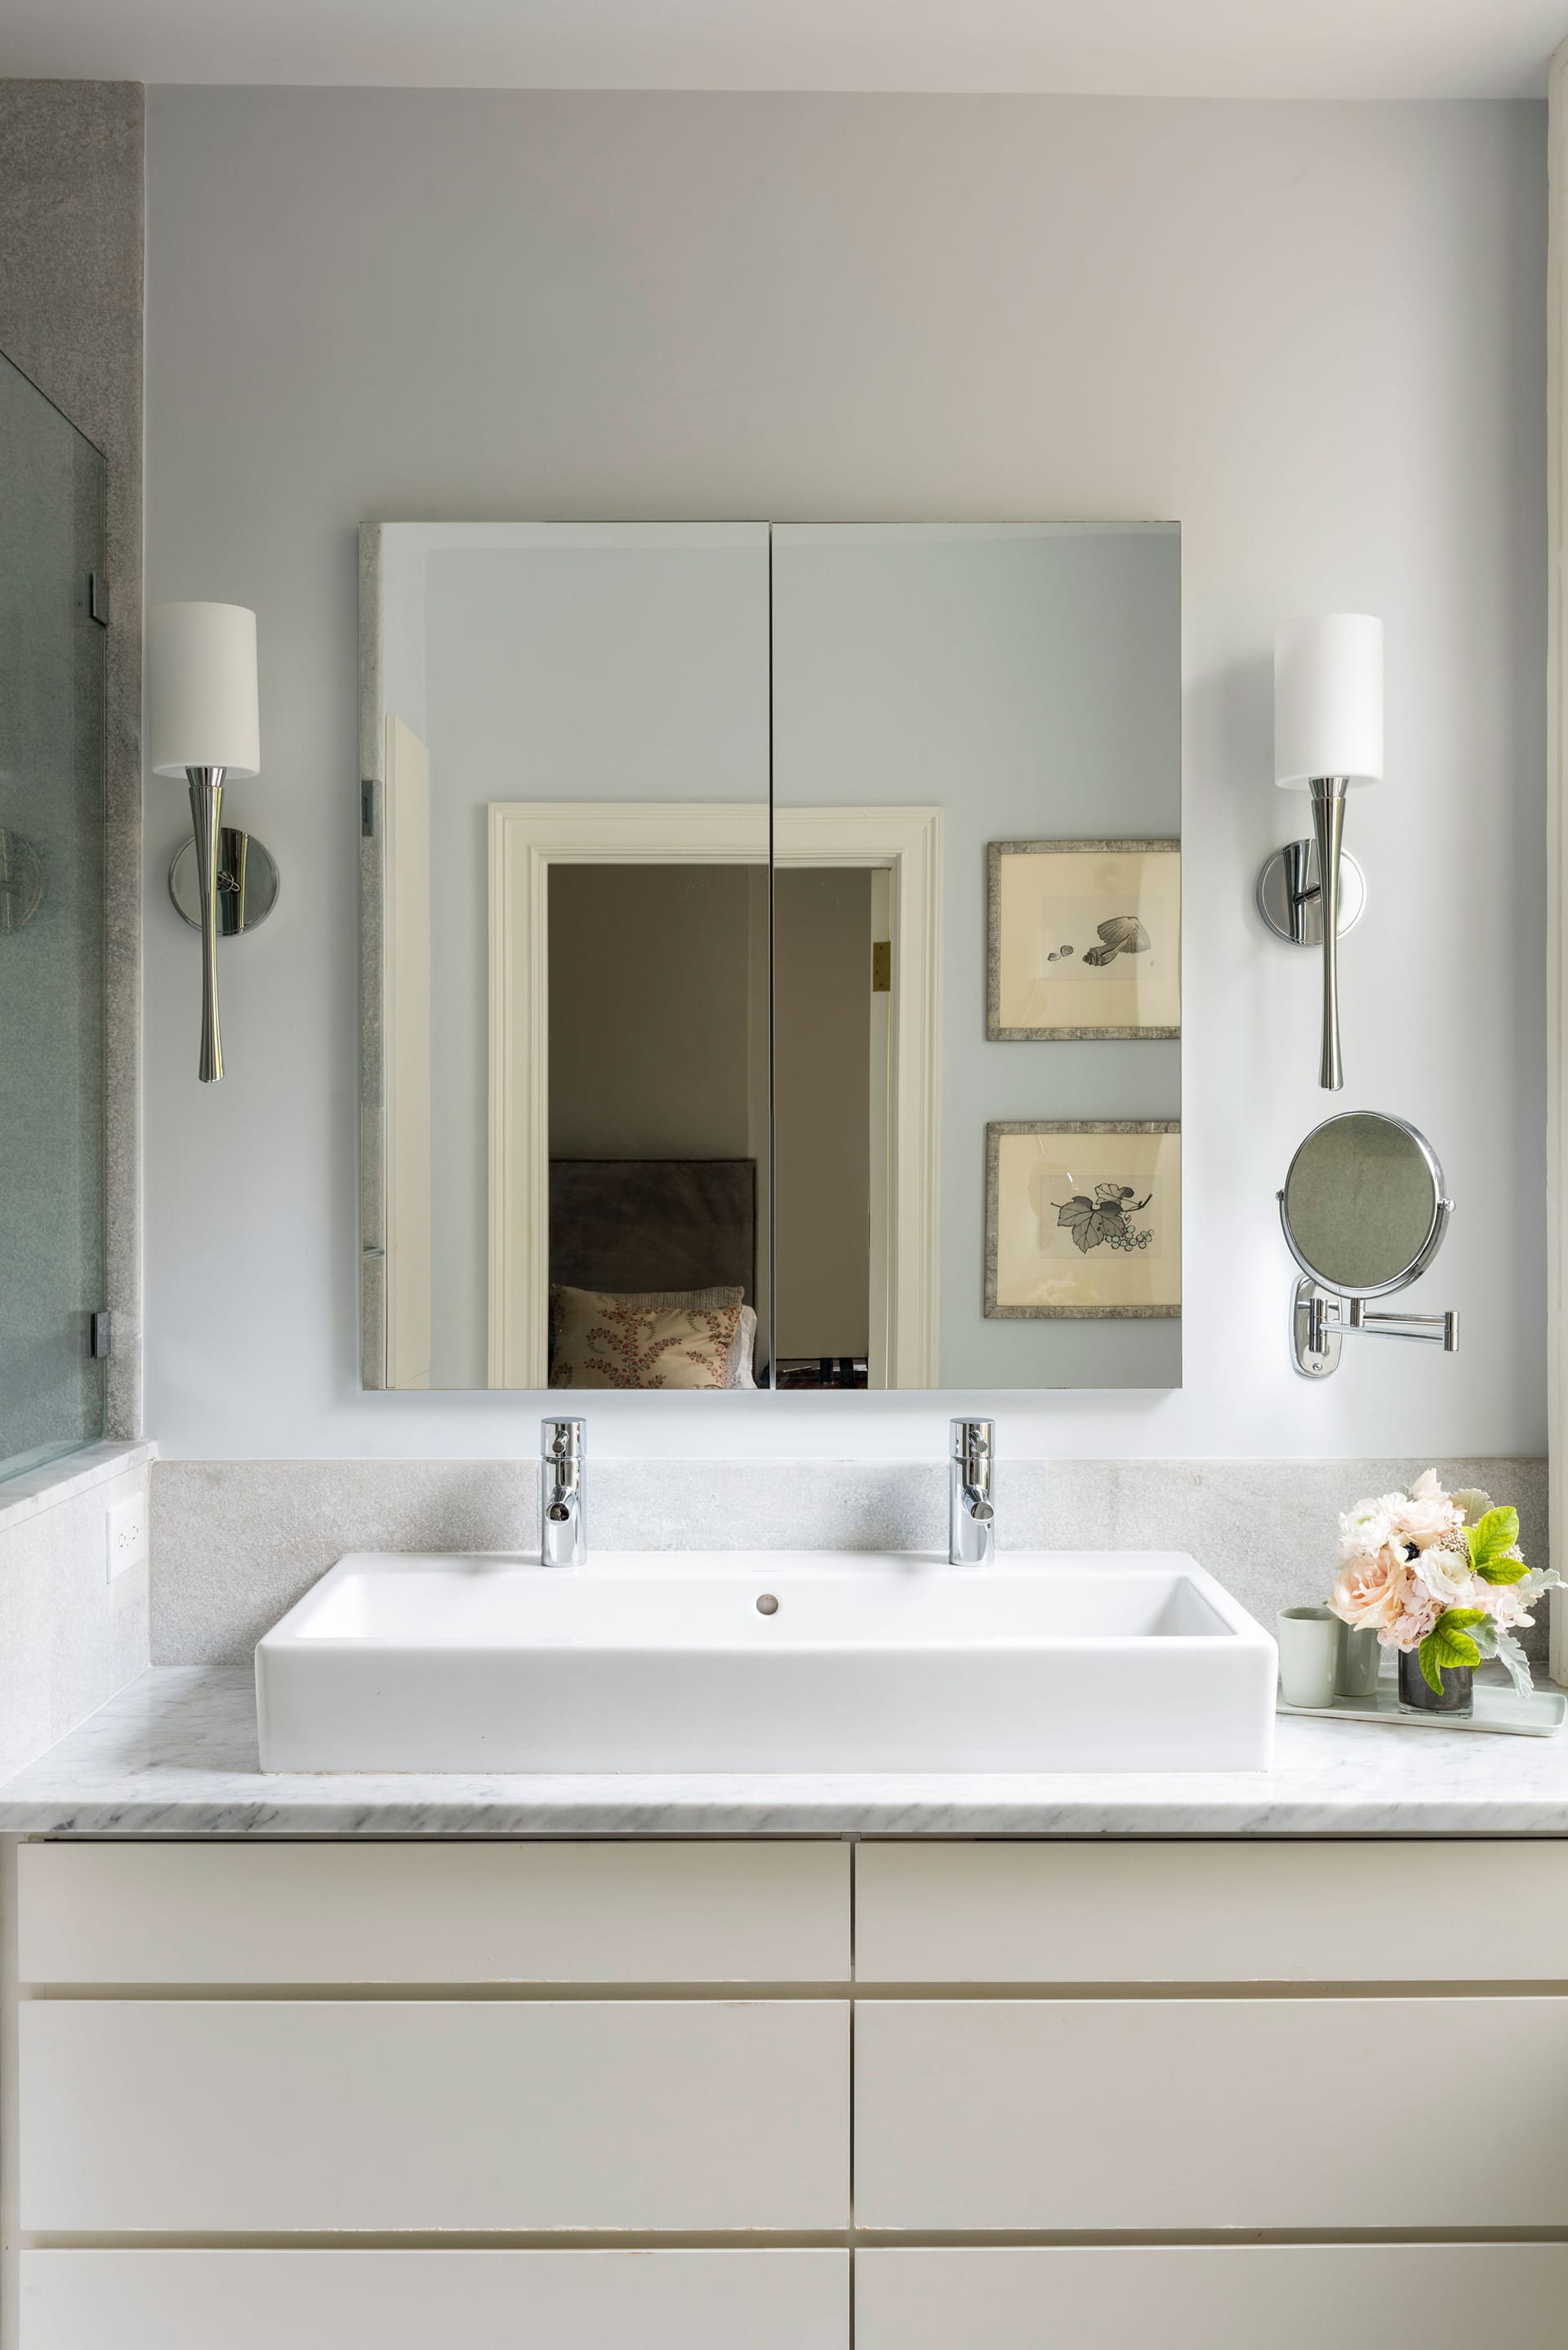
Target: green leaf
[1490,1540]
[1449,1645]
[1503,1570]
[1449,1642]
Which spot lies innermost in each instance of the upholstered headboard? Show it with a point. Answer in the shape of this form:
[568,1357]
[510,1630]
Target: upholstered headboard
[654,1224]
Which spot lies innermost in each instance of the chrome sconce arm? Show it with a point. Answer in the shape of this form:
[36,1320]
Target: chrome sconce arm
[206,817]
[1310,893]
[223,882]
[1328,831]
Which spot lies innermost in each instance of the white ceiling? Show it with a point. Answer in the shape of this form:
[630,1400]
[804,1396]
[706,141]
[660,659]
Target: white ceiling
[1222,49]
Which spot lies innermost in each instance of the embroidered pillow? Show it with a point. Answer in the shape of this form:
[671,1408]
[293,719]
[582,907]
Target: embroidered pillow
[655,1338]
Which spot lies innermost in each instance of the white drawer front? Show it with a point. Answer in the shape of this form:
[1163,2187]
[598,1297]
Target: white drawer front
[252,2117]
[1213,1913]
[1294,2297]
[422,2301]
[433,1913]
[1146,2114]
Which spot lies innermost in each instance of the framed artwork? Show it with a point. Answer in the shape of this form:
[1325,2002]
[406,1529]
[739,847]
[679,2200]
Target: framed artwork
[1083,1220]
[1083,938]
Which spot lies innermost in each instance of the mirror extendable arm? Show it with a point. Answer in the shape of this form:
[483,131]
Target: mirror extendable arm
[1427,1329]
[1321,1322]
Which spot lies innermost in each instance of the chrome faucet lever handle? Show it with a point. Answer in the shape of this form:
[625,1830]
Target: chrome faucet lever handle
[563,1523]
[971,1507]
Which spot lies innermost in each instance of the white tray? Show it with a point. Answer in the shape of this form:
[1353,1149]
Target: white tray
[1539,1715]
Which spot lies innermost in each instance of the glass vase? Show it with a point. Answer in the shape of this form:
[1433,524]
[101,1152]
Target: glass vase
[1417,1696]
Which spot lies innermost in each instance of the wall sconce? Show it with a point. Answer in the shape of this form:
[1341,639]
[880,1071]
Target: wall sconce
[1328,734]
[203,723]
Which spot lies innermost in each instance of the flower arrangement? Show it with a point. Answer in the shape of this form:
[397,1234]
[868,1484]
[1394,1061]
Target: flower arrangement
[1441,1574]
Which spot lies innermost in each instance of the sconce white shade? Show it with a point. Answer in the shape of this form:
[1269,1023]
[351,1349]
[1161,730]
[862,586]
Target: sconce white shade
[1328,700]
[201,708]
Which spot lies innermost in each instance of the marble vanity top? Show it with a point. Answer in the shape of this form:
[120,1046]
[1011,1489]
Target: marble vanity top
[175,1754]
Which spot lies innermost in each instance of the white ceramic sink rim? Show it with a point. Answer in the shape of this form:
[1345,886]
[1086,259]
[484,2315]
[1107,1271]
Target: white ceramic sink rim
[661,1661]
[630,1601]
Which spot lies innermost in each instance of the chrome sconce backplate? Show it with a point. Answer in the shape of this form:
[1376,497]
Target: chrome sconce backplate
[247,882]
[1290,898]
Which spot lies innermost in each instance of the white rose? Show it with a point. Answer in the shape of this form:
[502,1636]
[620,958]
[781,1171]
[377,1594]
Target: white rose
[1446,1576]
[1364,1530]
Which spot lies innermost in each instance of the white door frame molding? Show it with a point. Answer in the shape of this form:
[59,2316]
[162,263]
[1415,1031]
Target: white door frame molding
[526,838]
[1557,849]
[906,843]
[406,1063]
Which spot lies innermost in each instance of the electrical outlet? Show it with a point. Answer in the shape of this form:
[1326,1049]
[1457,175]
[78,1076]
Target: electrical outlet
[127,1534]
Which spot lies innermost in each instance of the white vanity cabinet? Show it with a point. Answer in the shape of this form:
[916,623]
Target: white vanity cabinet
[352,2041]
[966,2095]
[1261,2070]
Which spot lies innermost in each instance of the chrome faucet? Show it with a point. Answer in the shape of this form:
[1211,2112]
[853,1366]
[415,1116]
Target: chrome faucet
[563,1528]
[971,1512]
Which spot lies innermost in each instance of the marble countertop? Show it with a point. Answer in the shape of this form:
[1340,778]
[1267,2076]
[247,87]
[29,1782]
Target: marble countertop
[175,1754]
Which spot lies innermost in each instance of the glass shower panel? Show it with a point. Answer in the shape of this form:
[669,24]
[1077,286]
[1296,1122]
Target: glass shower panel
[52,785]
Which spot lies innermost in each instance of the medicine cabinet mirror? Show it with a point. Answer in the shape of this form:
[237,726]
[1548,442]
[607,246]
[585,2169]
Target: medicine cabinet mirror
[771,956]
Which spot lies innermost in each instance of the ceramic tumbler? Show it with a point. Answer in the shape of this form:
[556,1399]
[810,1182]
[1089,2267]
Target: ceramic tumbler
[1309,1640]
[1360,1659]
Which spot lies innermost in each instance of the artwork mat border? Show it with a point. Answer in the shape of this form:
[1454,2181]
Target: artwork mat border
[996,1128]
[996,851]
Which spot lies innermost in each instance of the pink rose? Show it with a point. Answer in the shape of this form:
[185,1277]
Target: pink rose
[1373,1591]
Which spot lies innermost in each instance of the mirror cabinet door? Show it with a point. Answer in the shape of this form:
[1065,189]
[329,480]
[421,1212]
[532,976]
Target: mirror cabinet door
[977,782]
[566,991]
[959,979]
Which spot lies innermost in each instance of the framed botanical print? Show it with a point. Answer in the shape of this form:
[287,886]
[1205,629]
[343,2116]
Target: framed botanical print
[1083,1220]
[1083,940]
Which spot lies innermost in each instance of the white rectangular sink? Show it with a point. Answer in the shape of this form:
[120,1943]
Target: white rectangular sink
[668,1661]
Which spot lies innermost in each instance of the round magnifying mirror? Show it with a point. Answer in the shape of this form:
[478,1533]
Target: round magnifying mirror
[1363,1207]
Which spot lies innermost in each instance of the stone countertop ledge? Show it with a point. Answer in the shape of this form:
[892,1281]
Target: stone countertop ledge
[175,1754]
